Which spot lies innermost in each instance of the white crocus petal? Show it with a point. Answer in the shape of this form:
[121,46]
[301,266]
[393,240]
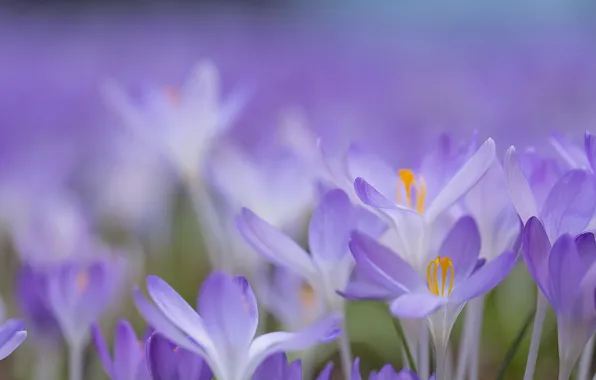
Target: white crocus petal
[470,173]
[519,187]
[411,230]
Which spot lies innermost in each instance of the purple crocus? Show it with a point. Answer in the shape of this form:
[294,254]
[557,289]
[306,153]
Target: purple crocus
[403,197]
[12,334]
[385,373]
[451,278]
[128,361]
[223,330]
[566,274]
[568,205]
[167,361]
[276,367]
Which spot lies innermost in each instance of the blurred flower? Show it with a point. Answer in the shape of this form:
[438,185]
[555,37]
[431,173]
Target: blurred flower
[414,221]
[452,278]
[12,334]
[223,331]
[566,274]
[276,367]
[128,361]
[167,361]
[385,373]
[574,155]
[182,125]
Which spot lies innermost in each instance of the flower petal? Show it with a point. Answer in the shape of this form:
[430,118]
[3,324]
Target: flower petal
[326,330]
[484,279]
[274,244]
[379,264]
[519,187]
[364,164]
[566,271]
[462,246]
[590,146]
[159,358]
[229,310]
[330,227]
[570,205]
[469,174]
[102,350]
[356,370]
[369,195]
[127,353]
[369,222]
[536,250]
[325,374]
[12,334]
[416,305]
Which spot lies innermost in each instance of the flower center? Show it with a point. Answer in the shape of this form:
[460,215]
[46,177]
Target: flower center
[412,189]
[436,281]
[82,281]
[173,94]
[307,296]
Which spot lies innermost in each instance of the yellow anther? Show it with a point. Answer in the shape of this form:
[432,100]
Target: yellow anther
[409,182]
[175,349]
[82,281]
[433,279]
[307,296]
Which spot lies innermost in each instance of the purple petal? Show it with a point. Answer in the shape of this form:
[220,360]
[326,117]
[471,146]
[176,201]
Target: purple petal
[166,361]
[416,305]
[229,310]
[326,372]
[356,370]
[127,353]
[485,279]
[570,205]
[566,271]
[276,367]
[519,188]
[12,334]
[536,249]
[586,247]
[462,246]
[324,331]
[273,244]
[369,195]
[363,286]
[330,227]
[162,324]
[102,350]
[375,171]
[590,146]
[384,267]
[369,223]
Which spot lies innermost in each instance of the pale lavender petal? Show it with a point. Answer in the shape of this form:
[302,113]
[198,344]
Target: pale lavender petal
[519,188]
[229,310]
[590,146]
[566,271]
[330,227]
[323,331]
[162,324]
[326,372]
[466,177]
[274,244]
[384,267]
[462,246]
[416,305]
[571,153]
[369,223]
[127,353]
[586,247]
[373,169]
[12,334]
[363,286]
[102,350]
[276,367]
[356,370]
[485,279]
[570,205]
[536,249]
[369,195]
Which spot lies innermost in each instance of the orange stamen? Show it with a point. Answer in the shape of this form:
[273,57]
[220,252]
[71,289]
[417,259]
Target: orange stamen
[432,279]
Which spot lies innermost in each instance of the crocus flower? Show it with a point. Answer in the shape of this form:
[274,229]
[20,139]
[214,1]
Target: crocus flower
[128,361]
[223,330]
[452,277]
[328,267]
[12,334]
[566,274]
[385,373]
[568,206]
[276,367]
[404,198]
[181,125]
[167,361]
[574,155]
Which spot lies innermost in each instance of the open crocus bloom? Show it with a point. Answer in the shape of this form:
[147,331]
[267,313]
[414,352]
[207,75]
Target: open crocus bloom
[451,278]
[566,274]
[223,330]
[565,207]
[181,125]
[405,198]
[128,362]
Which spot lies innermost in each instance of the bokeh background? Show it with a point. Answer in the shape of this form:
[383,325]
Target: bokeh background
[390,74]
